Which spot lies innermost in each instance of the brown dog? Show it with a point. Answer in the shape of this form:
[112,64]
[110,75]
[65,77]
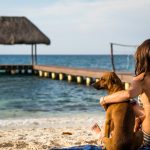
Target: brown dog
[120,118]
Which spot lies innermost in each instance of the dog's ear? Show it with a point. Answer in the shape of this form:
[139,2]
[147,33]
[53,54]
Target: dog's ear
[115,79]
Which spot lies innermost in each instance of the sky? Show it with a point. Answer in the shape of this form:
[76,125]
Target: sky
[82,26]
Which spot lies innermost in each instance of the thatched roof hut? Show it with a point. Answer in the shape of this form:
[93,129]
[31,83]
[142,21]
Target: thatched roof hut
[19,30]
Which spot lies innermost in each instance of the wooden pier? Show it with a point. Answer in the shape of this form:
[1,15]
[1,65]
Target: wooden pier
[79,75]
[28,33]
[16,69]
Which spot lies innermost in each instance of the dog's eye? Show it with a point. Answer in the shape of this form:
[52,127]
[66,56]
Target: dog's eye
[102,79]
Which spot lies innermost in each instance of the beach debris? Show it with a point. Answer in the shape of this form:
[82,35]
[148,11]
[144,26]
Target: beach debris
[7,144]
[92,141]
[66,133]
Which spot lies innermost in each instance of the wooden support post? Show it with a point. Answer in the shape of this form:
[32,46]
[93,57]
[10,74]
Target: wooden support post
[127,85]
[13,71]
[97,80]
[46,74]
[112,57]
[29,71]
[61,76]
[88,81]
[32,55]
[35,54]
[22,71]
[69,77]
[16,71]
[79,79]
[40,73]
[53,75]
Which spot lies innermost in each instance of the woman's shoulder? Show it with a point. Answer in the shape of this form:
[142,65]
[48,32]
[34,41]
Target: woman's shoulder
[147,80]
[142,80]
[139,77]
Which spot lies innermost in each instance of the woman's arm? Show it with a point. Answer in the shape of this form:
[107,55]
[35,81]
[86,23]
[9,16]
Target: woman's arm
[124,95]
[117,97]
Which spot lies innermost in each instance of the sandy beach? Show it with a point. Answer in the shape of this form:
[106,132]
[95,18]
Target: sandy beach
[47,133]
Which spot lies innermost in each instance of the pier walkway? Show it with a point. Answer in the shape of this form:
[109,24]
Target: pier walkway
[79,75]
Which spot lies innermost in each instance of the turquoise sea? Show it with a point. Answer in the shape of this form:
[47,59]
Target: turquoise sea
[32,96]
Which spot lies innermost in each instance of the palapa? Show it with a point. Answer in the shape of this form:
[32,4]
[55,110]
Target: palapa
[20,30]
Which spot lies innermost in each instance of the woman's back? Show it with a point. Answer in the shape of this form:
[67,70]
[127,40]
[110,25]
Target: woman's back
[145,98]
[146,90]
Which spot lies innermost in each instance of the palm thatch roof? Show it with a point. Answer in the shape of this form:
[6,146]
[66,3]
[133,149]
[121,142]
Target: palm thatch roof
[20,30]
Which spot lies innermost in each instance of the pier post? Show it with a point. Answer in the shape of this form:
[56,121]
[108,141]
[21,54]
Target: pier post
[40,73]
[53,75]
[46,74]
[22,71]
[61,76]
[69,77]
[30,71]
[127,85]
[17,71]
[88,81]
[97,80]
[79,79]
[13,72]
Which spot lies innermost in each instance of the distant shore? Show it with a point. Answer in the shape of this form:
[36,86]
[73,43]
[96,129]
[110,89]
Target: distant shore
[47,133]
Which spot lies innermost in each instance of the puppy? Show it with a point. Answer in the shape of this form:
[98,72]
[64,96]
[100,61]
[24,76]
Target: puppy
[120,118]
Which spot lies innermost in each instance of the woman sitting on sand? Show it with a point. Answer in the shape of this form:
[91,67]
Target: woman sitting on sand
[139,86]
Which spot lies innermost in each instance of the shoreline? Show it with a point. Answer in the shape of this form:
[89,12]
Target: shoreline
[49,132]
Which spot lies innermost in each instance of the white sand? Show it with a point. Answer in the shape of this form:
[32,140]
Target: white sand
[47,133]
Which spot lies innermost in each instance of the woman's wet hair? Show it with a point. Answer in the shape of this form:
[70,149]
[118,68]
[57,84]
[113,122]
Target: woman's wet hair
[142,58]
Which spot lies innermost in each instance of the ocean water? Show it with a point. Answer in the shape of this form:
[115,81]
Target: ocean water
[32,96]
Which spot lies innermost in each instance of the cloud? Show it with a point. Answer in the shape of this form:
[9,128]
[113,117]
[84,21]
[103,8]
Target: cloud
[85,13]
[79,26]
[95,15]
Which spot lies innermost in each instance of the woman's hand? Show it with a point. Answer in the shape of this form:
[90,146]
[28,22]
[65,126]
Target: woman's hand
[137,125]
[103,103]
